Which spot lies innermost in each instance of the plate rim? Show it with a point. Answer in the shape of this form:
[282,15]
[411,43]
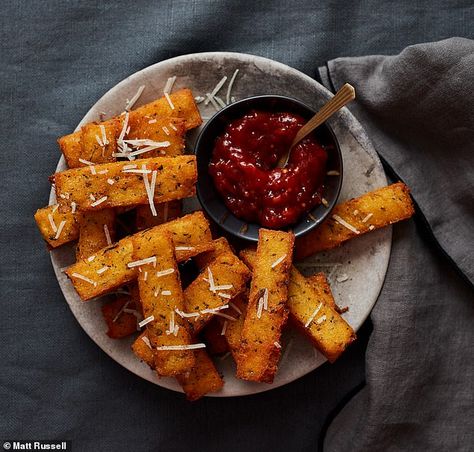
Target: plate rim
[356,126]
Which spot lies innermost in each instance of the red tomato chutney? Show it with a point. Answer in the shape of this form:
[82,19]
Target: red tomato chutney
[243,168]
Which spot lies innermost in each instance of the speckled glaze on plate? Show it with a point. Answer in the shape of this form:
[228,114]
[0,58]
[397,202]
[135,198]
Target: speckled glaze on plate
[356,270]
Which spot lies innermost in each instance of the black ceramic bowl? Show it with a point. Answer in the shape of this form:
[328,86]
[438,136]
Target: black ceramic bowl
[210,198]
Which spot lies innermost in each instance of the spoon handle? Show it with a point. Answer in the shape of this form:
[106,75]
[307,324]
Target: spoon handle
[341,98]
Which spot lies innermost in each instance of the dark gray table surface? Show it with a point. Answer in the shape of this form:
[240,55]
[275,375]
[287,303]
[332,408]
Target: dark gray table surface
[57,59]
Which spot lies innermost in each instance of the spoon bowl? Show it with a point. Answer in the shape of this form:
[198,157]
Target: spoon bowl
[210,199]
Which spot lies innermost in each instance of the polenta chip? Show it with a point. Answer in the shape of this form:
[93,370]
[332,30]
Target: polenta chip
[312,310]
[267,310]
[353,218]
[202,379]
[57,228]
[217,284]
[191,235]
[161,296]
[108,185]
[185,108]
[104,271]
[96,231]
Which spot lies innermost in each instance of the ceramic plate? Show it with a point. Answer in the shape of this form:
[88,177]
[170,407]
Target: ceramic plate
[356,270]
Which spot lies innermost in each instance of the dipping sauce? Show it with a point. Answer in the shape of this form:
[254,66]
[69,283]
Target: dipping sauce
[243,168]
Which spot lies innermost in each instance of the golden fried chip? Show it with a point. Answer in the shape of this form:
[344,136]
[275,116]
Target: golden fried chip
[124,184]
[161,296]
[357,216]
[267,310]
[202,379]
[311,308]
[185,108]
[57,228]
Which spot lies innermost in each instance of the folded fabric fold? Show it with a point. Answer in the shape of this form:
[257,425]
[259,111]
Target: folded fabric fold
[417,108]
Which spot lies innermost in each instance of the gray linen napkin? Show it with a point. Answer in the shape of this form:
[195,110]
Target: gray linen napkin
[418,109]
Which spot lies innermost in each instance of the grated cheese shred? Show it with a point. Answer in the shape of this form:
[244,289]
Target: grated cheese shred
[224,328]
[229,88]
[168,98]
[216,90]
[121,310]
[344,223]
[260,307]
[104,135]
[86,162]
[149,192]
[146,321]
[107,235]
[99,201]
[321,319]
[278,261]
[214,310]
[181,347]
[84,278]
[148,260]
[60,229]
[169,84]
[130,103]
[168,271]
[225,316]
[52,223]
[313,315]
[235,307]
[147,341]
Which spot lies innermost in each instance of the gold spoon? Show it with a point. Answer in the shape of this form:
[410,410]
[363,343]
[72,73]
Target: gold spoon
[341,98]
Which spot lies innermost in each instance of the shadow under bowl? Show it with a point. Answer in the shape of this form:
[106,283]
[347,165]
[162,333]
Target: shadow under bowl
[211,200]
